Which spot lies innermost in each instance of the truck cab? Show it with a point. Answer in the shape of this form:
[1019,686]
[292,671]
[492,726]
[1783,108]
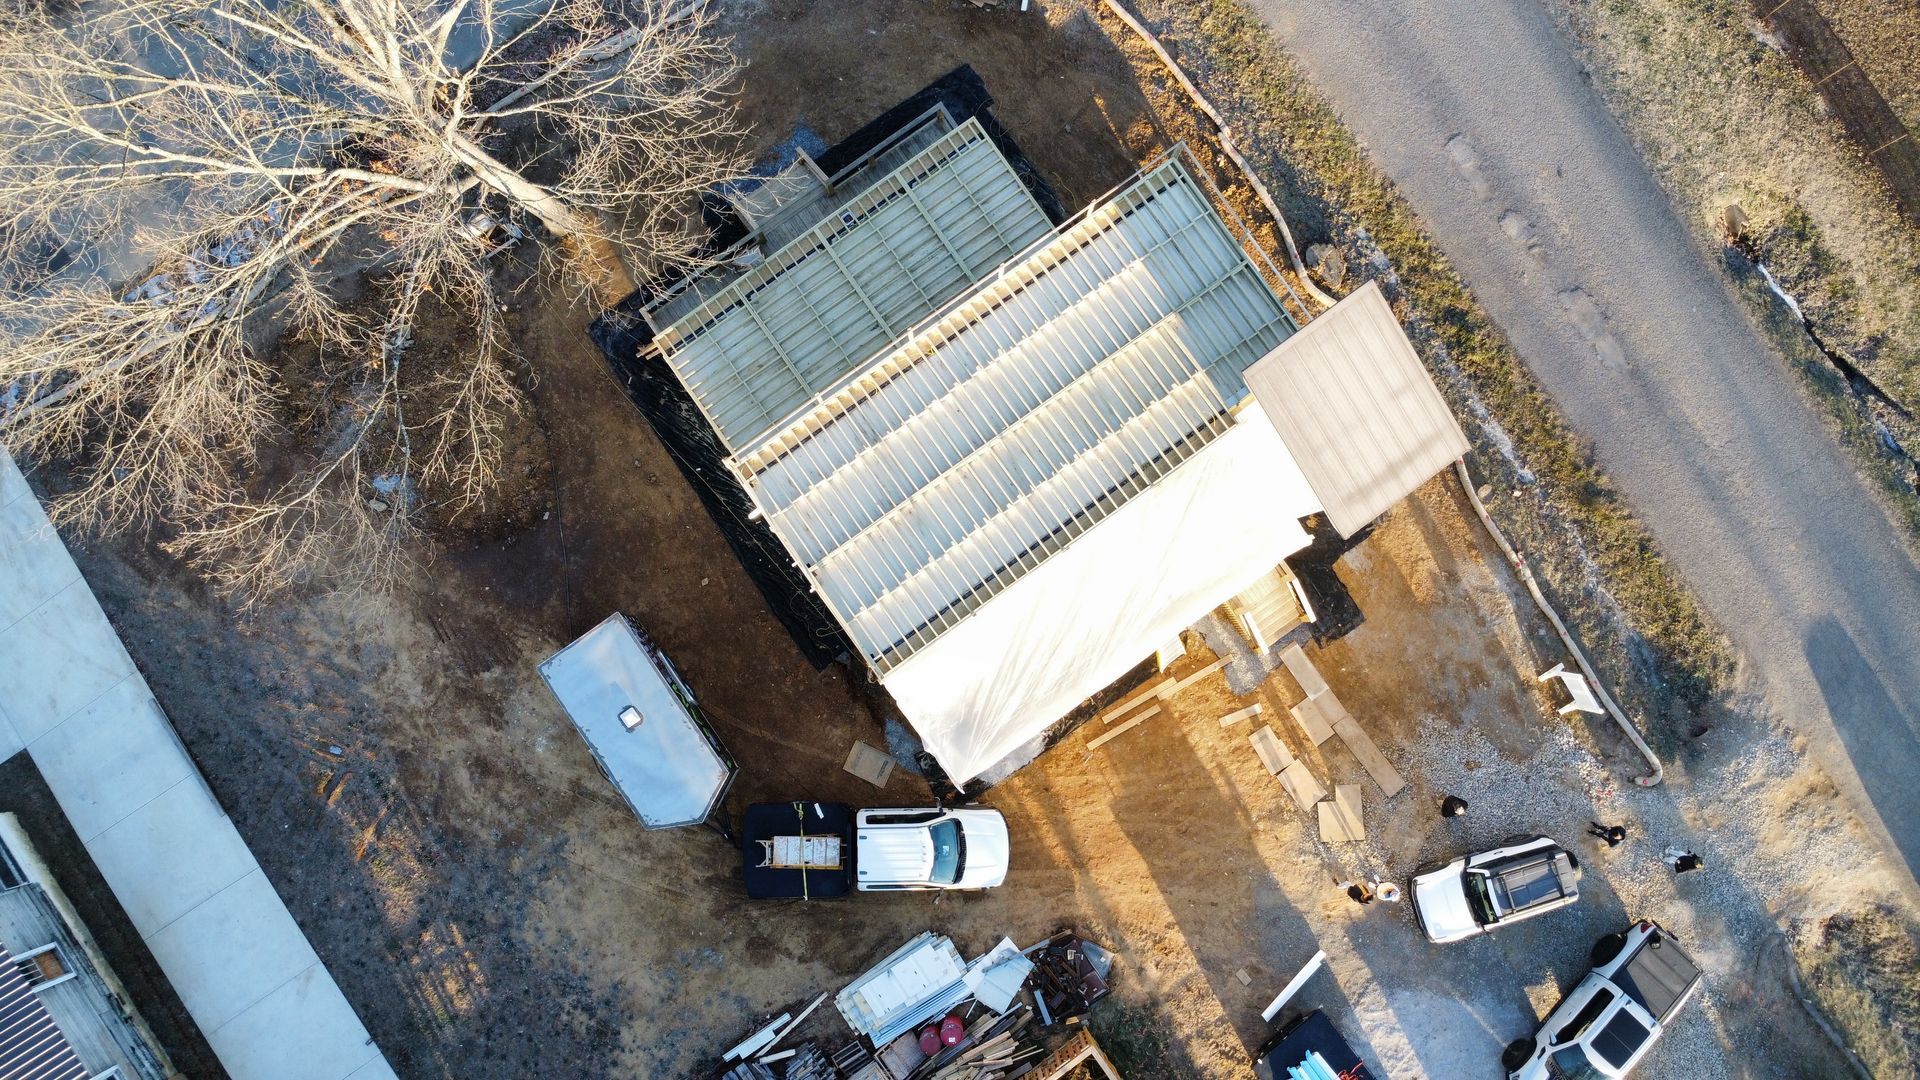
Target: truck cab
[934,848]
[1524,877]
[1609,1021]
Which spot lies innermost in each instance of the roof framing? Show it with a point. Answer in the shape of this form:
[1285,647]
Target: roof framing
[759,350]
[1018,417]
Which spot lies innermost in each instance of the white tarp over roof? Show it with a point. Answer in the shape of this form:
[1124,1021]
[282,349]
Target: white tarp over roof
[69,694]
[1094,609]
[1357,408]
[668,767]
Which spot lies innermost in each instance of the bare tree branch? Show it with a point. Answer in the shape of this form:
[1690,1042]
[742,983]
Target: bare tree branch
[181,180]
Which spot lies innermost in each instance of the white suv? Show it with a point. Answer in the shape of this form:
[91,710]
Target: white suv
[1524,877]
[929,849]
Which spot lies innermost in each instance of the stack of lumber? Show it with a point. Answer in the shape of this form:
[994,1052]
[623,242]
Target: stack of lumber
[760,1046]
[810,1064]
[995,1048]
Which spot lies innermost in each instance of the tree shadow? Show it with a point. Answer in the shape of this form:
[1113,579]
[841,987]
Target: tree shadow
[1881,740]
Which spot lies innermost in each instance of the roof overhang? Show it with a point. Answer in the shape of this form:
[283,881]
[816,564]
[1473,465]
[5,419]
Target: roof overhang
[1357,409]
[988,690]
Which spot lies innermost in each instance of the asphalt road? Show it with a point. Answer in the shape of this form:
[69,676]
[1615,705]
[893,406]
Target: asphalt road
[1480,111]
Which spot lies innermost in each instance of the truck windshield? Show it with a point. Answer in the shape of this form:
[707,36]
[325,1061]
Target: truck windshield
[1570,1063]
[1478,899]
[948,850]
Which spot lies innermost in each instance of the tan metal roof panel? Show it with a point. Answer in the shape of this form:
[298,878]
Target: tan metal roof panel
[1357,409]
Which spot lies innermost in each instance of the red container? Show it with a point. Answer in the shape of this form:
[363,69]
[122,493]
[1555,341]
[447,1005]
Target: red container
[952,1031]
[929,1040]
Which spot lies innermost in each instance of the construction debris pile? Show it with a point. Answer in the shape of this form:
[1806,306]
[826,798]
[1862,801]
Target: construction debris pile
[1069,975]
[924,1013]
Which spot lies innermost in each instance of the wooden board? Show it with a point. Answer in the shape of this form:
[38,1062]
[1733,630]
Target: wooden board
[1137,698]
[1247,713]
[1303,671]
[1194,678]
[1340,820]
[1273,753]
[1376,763]
[1300,783]
[1332,709]
[1312,720]
[1144,715]
[869,764]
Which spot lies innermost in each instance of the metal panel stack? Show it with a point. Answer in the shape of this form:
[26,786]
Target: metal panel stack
[922,978]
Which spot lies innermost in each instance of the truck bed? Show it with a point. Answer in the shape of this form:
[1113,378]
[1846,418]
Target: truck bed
[1658,975]
[1311,1034]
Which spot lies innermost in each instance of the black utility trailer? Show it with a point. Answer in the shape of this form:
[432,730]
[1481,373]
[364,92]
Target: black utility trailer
[798,849]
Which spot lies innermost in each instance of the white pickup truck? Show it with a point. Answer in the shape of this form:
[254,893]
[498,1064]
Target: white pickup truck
[937,848]
[1525,876]
[1602,1029]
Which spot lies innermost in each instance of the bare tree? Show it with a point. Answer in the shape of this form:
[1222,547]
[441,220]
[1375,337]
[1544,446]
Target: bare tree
[182,180]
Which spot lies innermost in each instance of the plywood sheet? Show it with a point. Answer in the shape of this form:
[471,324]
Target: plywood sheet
[1340,820]
[1312,719]
[1300,783]
[1273,753]
[1376,763]
[869,764]
[1357,408]
[1303,671]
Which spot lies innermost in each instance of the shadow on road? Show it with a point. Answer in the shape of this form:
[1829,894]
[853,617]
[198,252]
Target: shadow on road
[1862,709]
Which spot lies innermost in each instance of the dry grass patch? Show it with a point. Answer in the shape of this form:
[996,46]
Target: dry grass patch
[1865,968]
[1721,116]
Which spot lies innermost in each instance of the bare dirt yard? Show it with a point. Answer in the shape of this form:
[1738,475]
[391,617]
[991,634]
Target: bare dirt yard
[493,910]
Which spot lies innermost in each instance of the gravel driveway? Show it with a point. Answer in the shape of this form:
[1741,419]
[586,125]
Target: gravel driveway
[1483,116]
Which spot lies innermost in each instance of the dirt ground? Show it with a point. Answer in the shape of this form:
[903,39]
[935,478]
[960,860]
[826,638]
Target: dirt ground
[493,910]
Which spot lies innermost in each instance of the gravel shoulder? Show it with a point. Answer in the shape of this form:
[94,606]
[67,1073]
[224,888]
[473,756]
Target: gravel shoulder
[1532,189]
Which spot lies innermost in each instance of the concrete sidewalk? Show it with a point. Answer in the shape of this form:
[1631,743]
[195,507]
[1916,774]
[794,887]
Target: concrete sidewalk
[71,697]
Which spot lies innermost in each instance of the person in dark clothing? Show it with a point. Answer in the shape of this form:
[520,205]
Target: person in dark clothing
[1614,835]
[1453,806]
[1683,862]
[1361,892]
